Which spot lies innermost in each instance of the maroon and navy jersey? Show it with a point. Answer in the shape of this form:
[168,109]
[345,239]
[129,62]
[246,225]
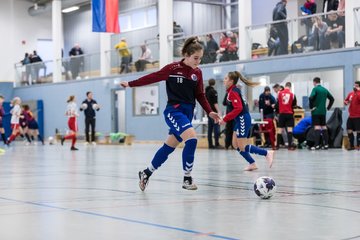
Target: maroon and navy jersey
[2,113]
[236,103]
[183,84]
[354,100]
[287,101]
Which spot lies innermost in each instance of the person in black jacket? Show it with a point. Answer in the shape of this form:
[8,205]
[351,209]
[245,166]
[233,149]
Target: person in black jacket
[76,61]
[267,103]
[280,14]
[89,106]
[212,97]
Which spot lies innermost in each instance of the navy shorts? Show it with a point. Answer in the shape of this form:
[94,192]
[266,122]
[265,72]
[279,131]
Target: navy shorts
[33,125]
[242,125]
[178,117]
[1,124]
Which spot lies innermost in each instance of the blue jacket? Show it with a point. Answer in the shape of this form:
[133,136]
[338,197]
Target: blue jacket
[301,127]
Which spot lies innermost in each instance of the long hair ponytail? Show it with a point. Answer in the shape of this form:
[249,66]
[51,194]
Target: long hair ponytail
[235,76]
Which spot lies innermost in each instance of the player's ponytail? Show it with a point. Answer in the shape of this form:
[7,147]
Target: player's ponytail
[71,98]
[191,46]
[235,76]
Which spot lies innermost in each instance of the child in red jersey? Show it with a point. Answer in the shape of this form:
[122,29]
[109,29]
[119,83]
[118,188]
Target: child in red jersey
[72,114]
[353,122]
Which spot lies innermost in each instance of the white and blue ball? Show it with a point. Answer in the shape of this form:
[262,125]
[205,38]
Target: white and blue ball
[265,187]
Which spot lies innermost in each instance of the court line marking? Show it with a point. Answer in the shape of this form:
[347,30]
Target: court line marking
[120,219]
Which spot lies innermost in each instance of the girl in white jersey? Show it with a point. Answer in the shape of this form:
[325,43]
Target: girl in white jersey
[15,119]
[72,114]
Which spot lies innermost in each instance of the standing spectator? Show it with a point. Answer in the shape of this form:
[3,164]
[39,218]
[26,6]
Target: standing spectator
[212,97]
[25,62]
[36,65]
[76,61]
[317,101]
[267,103]
[353,122]
[280,13]
[125,55]
[89,106]
[335,33]
[286,103]
[145,58]
[178,33]
[330,5]
[210,50]
[308,9]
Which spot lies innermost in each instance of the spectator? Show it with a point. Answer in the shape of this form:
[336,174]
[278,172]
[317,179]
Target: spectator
[125,54]
[317,100]
[25,62]
[76,61]
[335,33]
[300,131]
[178,33]
[37,64]
[330,5]
[308,8]
[232,47]
[221,53]
[353,122]
[212,97]
[267,103]
[280,13]
[145,58]
[317,34]
[210,50]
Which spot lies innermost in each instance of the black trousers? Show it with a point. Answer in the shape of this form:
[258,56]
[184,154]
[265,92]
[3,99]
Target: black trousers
[229,130]
[90,121]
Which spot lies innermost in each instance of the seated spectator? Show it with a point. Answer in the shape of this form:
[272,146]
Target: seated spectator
[221,53]
[317,35]
[335,34]
[210,50]
[145,58]
[232,47]
[301,129]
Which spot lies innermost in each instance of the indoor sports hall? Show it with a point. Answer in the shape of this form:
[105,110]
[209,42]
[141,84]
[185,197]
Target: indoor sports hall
[122,119]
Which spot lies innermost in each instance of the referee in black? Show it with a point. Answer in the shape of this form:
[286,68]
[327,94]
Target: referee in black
[89,106]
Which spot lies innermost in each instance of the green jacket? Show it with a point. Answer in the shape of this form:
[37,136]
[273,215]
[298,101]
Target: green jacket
[317,100]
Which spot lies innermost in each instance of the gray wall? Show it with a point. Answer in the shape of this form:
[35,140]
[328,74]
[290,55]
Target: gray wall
[154,127]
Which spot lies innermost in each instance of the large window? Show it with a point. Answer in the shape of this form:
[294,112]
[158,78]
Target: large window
[146,100]
[302,85]
[138,19]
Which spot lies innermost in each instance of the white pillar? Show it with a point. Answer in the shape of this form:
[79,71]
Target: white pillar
[245,19]
[105,54]
[350,22]
[165,29]
[228,14]
[57,38]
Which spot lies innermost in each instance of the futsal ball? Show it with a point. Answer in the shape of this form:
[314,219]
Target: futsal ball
[84,106]
[51,140]
[265,187]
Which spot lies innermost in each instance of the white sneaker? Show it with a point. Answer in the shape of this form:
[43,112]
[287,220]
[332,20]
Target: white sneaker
[270,157]
[86,143]
[93,143]
[251,167]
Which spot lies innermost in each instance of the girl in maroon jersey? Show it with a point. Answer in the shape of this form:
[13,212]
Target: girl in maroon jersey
[33,127]
[184,85]
[72,114]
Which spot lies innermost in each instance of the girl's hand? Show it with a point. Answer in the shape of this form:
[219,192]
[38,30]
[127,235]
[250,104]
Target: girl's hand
[215,116]
[124,84]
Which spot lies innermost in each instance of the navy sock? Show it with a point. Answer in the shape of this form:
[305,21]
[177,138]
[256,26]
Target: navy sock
[247,156]
[290,137]
[40,138]
[325,135]
[3,137]
[351,139]
[256,150]
[161,156]
[317,137]
[358,139]
[27,137]
[188,155]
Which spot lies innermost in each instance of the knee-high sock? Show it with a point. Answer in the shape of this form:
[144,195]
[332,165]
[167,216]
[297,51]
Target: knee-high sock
[278,137]
[246,155]
[351,139]
[3,137]
[317,137]
[73,141]
[358,139]
[290,138]
[255,150]
[325,135]
[28,137]
[12,137]
[160,157]
[188,155]
[40,138]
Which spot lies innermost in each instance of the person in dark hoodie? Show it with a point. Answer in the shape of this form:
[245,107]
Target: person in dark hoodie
[280,14]
[212,97]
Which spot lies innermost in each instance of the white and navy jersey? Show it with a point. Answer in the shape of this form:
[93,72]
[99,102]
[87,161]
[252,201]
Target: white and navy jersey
[71,110]
[15,114]
[183,84]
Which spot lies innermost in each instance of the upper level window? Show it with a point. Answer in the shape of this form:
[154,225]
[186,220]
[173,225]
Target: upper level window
[138,19]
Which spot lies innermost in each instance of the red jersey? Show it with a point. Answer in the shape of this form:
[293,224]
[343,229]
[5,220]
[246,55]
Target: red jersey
[354,100]
[287,101]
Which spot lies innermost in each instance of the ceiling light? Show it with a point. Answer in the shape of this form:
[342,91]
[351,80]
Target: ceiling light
[70,9]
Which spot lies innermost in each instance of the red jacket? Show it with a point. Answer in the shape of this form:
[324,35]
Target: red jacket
[287,101]
[353,99]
